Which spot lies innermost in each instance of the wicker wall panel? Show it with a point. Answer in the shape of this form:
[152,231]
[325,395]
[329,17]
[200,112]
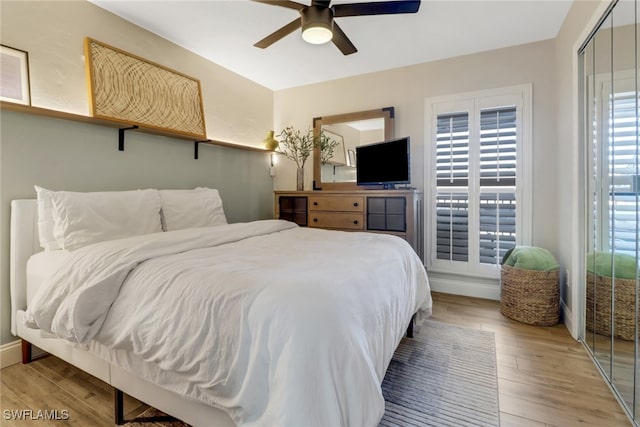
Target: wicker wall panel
[127,88]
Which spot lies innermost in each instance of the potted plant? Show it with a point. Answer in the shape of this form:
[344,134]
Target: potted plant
[298,146]
[327,146]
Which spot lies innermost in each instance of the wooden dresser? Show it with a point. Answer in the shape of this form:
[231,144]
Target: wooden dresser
[395,212]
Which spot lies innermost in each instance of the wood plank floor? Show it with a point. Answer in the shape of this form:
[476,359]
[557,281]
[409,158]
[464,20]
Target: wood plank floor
[545,377]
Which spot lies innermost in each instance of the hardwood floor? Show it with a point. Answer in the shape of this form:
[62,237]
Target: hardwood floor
[545,377]
[53,385]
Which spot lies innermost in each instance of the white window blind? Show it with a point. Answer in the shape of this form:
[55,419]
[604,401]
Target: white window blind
[498,147]
[496,167]
[498,151]
[452,170]
[497,225]
[452,148]
[475,197]
[623,172]
[452,226]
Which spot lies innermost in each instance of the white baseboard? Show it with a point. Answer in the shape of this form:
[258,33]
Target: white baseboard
[10,354]
[465,286]
[569,321]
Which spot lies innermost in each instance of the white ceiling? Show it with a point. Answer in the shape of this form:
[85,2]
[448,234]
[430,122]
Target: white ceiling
[224,32]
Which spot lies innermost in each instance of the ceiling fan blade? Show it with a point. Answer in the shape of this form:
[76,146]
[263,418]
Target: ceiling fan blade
[376,8]
[324,3]
[341,41]
[283,3]
[278,34]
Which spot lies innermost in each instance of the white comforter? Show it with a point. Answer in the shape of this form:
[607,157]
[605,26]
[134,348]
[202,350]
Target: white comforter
[276,324]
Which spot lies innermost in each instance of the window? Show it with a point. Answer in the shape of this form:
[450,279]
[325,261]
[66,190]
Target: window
[620,173]
[478,194]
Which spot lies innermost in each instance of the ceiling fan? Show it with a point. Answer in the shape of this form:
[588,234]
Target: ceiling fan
[317,20]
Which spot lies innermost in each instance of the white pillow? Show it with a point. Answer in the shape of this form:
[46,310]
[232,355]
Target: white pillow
[182,209]
[45,219]
[85,218]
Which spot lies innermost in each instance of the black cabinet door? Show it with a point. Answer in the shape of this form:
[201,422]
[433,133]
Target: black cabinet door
[387,214]
[294,209]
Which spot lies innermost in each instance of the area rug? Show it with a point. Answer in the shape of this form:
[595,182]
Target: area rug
[444,376]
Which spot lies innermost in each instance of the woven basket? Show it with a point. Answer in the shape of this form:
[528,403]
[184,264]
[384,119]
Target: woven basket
[599,306]
[530,296]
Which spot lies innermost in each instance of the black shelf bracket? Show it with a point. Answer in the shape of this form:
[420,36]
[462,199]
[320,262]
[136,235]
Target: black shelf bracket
[196,145]
[121,136]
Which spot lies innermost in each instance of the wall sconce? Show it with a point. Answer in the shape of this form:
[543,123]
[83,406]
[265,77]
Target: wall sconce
[273,159]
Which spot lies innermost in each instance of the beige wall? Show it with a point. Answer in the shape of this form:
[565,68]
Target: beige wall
[406,89]
[570,157]
[236,109]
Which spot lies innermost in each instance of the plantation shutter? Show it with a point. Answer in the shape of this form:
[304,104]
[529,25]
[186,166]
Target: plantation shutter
[497,225]
[479,179]
[498,147]
[498,143]
[452,170]
[452,150]
[452,226]
[624,173]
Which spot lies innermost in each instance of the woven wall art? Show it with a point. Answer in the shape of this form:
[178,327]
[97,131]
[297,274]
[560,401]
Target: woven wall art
[126,88]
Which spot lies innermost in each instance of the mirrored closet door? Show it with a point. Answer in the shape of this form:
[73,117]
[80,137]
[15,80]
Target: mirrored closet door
[609,74]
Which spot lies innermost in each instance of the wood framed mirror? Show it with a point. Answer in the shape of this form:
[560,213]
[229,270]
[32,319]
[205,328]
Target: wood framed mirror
[337,171]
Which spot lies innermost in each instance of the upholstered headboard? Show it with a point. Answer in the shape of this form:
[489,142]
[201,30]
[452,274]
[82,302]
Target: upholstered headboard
[22,244]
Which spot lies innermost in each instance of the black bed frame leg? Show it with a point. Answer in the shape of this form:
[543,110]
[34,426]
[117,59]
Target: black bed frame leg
[26,352]
[118,405]
[410,328]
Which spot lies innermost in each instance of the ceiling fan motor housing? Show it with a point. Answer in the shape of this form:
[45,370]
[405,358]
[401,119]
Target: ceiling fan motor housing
[317,24]
[316,20]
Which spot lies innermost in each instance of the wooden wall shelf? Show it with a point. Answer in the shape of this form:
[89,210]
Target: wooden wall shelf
[38,111]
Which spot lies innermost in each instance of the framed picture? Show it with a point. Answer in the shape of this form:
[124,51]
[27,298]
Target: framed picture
[351,158]
[339,154]
[127,88]
[14,75]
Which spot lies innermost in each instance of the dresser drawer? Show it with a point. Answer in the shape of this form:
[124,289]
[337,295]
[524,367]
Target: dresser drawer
[336,203]
[348,221]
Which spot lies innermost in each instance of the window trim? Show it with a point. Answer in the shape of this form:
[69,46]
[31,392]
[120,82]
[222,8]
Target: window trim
[521,96]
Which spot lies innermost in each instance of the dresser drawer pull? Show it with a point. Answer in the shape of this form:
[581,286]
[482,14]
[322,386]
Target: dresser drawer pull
[315,219]
[355,221]
[315,203]
[355,204]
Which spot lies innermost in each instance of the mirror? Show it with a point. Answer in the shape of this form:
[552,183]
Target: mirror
[609,76]
[336,169]
[598,71]
[623,192]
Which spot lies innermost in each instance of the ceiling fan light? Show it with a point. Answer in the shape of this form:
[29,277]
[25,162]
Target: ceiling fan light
[317,24]
[317,35]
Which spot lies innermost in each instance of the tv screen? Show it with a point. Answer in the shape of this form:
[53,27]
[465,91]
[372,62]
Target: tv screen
[385,163]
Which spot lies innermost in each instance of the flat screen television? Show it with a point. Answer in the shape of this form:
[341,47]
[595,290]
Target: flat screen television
[384,163]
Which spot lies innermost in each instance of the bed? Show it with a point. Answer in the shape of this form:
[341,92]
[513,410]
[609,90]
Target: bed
[261,323]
